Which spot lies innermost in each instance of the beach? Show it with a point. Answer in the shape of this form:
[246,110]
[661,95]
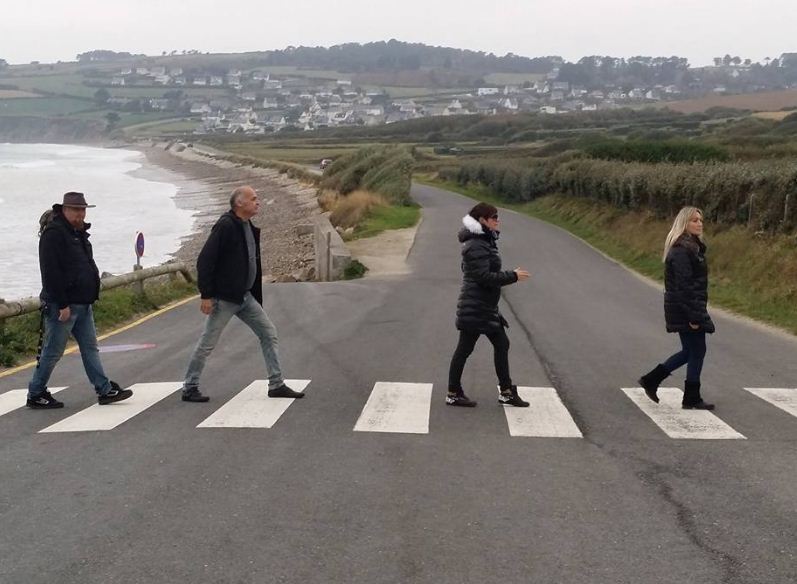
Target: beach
[204,186]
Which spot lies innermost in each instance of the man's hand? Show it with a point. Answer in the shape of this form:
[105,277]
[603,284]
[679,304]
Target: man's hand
[64,314]
[693,326]
[206,306]
[521,274]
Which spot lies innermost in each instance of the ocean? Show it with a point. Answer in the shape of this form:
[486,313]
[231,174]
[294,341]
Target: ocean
[34,176]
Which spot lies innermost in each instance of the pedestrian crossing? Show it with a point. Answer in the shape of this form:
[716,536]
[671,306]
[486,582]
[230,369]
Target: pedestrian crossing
[405,408]
[680,423]
[15,399]
[401,408]
[251,408]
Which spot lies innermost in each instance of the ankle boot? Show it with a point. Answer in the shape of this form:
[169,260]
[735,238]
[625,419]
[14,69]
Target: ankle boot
[692,399]
[650,381]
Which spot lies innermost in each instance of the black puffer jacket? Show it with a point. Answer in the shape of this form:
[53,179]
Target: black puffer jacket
[482,279]
[686,286]
[66,261]
[223,263]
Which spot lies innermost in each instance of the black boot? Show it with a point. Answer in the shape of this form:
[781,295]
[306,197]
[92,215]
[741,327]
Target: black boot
[457,397]
[692,399]
[510,397]
[650,381]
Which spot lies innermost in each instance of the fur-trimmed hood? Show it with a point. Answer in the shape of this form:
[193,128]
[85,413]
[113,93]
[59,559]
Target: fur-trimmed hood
[471,228]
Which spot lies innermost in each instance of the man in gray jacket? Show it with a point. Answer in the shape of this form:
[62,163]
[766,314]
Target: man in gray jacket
[230,283]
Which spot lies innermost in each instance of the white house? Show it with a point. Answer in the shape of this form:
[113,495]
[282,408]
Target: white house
[482,91]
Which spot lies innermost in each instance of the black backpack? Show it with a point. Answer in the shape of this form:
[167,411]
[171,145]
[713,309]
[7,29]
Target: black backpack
[45,220]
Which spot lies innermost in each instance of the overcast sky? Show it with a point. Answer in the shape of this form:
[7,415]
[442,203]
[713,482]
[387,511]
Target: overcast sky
[52,30]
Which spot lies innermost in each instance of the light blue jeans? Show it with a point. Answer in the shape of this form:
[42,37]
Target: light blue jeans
[56,334]
[253,315]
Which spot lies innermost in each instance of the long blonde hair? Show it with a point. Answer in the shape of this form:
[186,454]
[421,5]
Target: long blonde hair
[679,228]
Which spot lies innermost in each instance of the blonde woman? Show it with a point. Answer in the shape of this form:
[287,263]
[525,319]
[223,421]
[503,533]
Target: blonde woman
[685,312]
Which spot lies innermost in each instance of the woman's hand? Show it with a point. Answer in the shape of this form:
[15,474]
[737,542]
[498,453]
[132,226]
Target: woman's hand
[521,274]
[694,326]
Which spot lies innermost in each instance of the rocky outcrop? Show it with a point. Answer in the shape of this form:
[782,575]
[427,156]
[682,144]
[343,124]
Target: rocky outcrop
[29,129]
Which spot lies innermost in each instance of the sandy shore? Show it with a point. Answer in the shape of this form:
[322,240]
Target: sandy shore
[205,184]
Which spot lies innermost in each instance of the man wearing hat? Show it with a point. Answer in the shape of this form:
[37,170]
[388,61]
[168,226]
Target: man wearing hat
[70,285]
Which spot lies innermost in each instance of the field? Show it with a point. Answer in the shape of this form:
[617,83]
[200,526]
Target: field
[43,106]
[14,94]
[301,154]
[61,84]
[512,78]
[766,101]
[776,116]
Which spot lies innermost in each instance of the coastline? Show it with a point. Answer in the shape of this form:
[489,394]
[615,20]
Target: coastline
[204,185]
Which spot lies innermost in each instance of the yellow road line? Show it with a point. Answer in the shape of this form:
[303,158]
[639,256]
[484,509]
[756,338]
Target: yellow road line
[74,348]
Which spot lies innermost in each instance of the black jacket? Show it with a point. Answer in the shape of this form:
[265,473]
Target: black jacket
[686,286]
[223,263]
[482,279]
[66,261]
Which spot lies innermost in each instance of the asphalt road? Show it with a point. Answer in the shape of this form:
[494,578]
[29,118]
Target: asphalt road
[157,499]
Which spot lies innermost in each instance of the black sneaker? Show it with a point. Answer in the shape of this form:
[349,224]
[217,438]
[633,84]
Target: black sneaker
[193,394]
[114,394]
[459,399]
[44,401]
[510,397]
[284,391]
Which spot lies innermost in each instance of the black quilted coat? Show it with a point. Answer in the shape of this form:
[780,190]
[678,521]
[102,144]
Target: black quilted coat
[482,279]
[686,286]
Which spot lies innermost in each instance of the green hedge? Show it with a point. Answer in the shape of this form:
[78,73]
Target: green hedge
[723,190]
[386,170]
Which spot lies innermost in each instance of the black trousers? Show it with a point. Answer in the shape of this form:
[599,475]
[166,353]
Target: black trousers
[467,341]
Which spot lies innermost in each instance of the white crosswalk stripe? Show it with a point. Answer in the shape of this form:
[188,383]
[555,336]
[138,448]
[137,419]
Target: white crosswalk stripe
[677,422]
[252,408]
[16,398]
[109,416]
[397,407]
[780,397]
[546,416]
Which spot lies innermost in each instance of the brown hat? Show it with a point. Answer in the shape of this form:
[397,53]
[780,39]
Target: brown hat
[73,199]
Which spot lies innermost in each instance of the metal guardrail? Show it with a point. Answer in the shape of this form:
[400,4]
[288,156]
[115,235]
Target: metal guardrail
[32,304]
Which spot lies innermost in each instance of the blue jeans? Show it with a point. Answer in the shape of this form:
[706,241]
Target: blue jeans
[692,354]
[56,334]
[253,315]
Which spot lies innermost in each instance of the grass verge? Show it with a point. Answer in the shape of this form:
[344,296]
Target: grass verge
[20,335]
[381,219]
[750,274]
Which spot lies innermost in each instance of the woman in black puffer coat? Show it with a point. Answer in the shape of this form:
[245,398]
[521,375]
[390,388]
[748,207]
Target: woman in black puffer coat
[477,308]
[685,312]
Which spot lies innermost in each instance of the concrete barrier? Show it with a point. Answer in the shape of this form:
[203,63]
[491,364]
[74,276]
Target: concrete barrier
[332,257]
